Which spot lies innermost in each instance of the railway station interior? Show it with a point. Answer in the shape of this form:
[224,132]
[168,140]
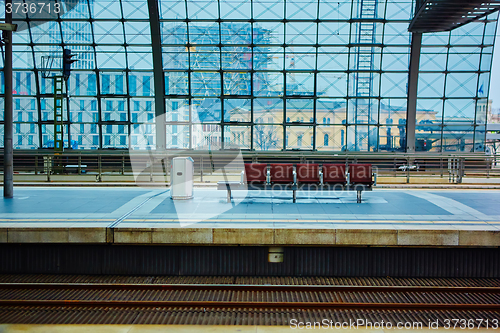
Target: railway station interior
[249,166]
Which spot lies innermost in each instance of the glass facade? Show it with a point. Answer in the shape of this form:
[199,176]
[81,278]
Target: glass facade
[263,75]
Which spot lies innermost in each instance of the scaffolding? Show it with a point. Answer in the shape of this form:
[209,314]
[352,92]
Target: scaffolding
[58,113]
[363,85]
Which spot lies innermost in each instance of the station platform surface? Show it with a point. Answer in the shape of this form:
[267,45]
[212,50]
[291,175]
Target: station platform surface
[127,215]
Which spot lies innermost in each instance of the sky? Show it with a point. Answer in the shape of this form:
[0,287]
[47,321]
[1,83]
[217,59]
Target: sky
[495,73]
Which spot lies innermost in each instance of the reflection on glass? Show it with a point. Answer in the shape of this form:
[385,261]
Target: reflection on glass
[261,75]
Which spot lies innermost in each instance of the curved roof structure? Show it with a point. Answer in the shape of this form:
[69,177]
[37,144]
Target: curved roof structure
[257,74]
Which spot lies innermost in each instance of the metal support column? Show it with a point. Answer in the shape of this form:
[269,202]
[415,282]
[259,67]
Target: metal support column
[154,23]
[8,169]
[411,114]
[58,114]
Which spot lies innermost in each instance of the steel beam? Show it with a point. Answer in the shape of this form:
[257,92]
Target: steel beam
[154,23]
[446,15]
[411,110]
[8,168]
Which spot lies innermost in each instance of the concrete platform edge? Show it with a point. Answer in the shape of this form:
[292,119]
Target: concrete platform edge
[252,236]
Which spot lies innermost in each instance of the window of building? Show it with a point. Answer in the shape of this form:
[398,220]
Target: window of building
[146,86]
[132,85]
[91,87]
[105,84]
[119,84]
[77,84]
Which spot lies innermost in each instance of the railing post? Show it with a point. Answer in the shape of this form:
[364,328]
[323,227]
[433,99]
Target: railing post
[36,164]
[47,165]
[99,166]
[150,170]
[201,166]
[123,164]
[407,169]
[79,163]
[461,170]
[441,166]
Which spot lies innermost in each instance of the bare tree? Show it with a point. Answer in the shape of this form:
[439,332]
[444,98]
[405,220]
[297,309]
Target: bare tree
[265,137]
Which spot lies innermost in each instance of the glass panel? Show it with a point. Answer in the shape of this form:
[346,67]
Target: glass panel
[330,75]
[113,109]
[268,111]
[177,110]
[207,137]
[330,138]
[237,137]
[178,136]
[330,111]
[85,136]
[391,138]
[299,137]
[115,136]
[237,110]
[362,138]
[267,137]
[299,110]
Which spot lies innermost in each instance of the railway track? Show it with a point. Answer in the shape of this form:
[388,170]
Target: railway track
[66,302]
[251,296]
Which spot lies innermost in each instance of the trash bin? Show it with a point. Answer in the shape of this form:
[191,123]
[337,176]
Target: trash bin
[181,178]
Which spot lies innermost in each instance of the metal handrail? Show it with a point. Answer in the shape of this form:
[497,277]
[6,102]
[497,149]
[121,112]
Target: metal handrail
[454,166]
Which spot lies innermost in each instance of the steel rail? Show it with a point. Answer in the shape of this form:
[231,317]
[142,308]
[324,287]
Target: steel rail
[250,287]
[253,305]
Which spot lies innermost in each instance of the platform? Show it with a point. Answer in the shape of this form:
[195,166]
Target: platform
[148,216]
